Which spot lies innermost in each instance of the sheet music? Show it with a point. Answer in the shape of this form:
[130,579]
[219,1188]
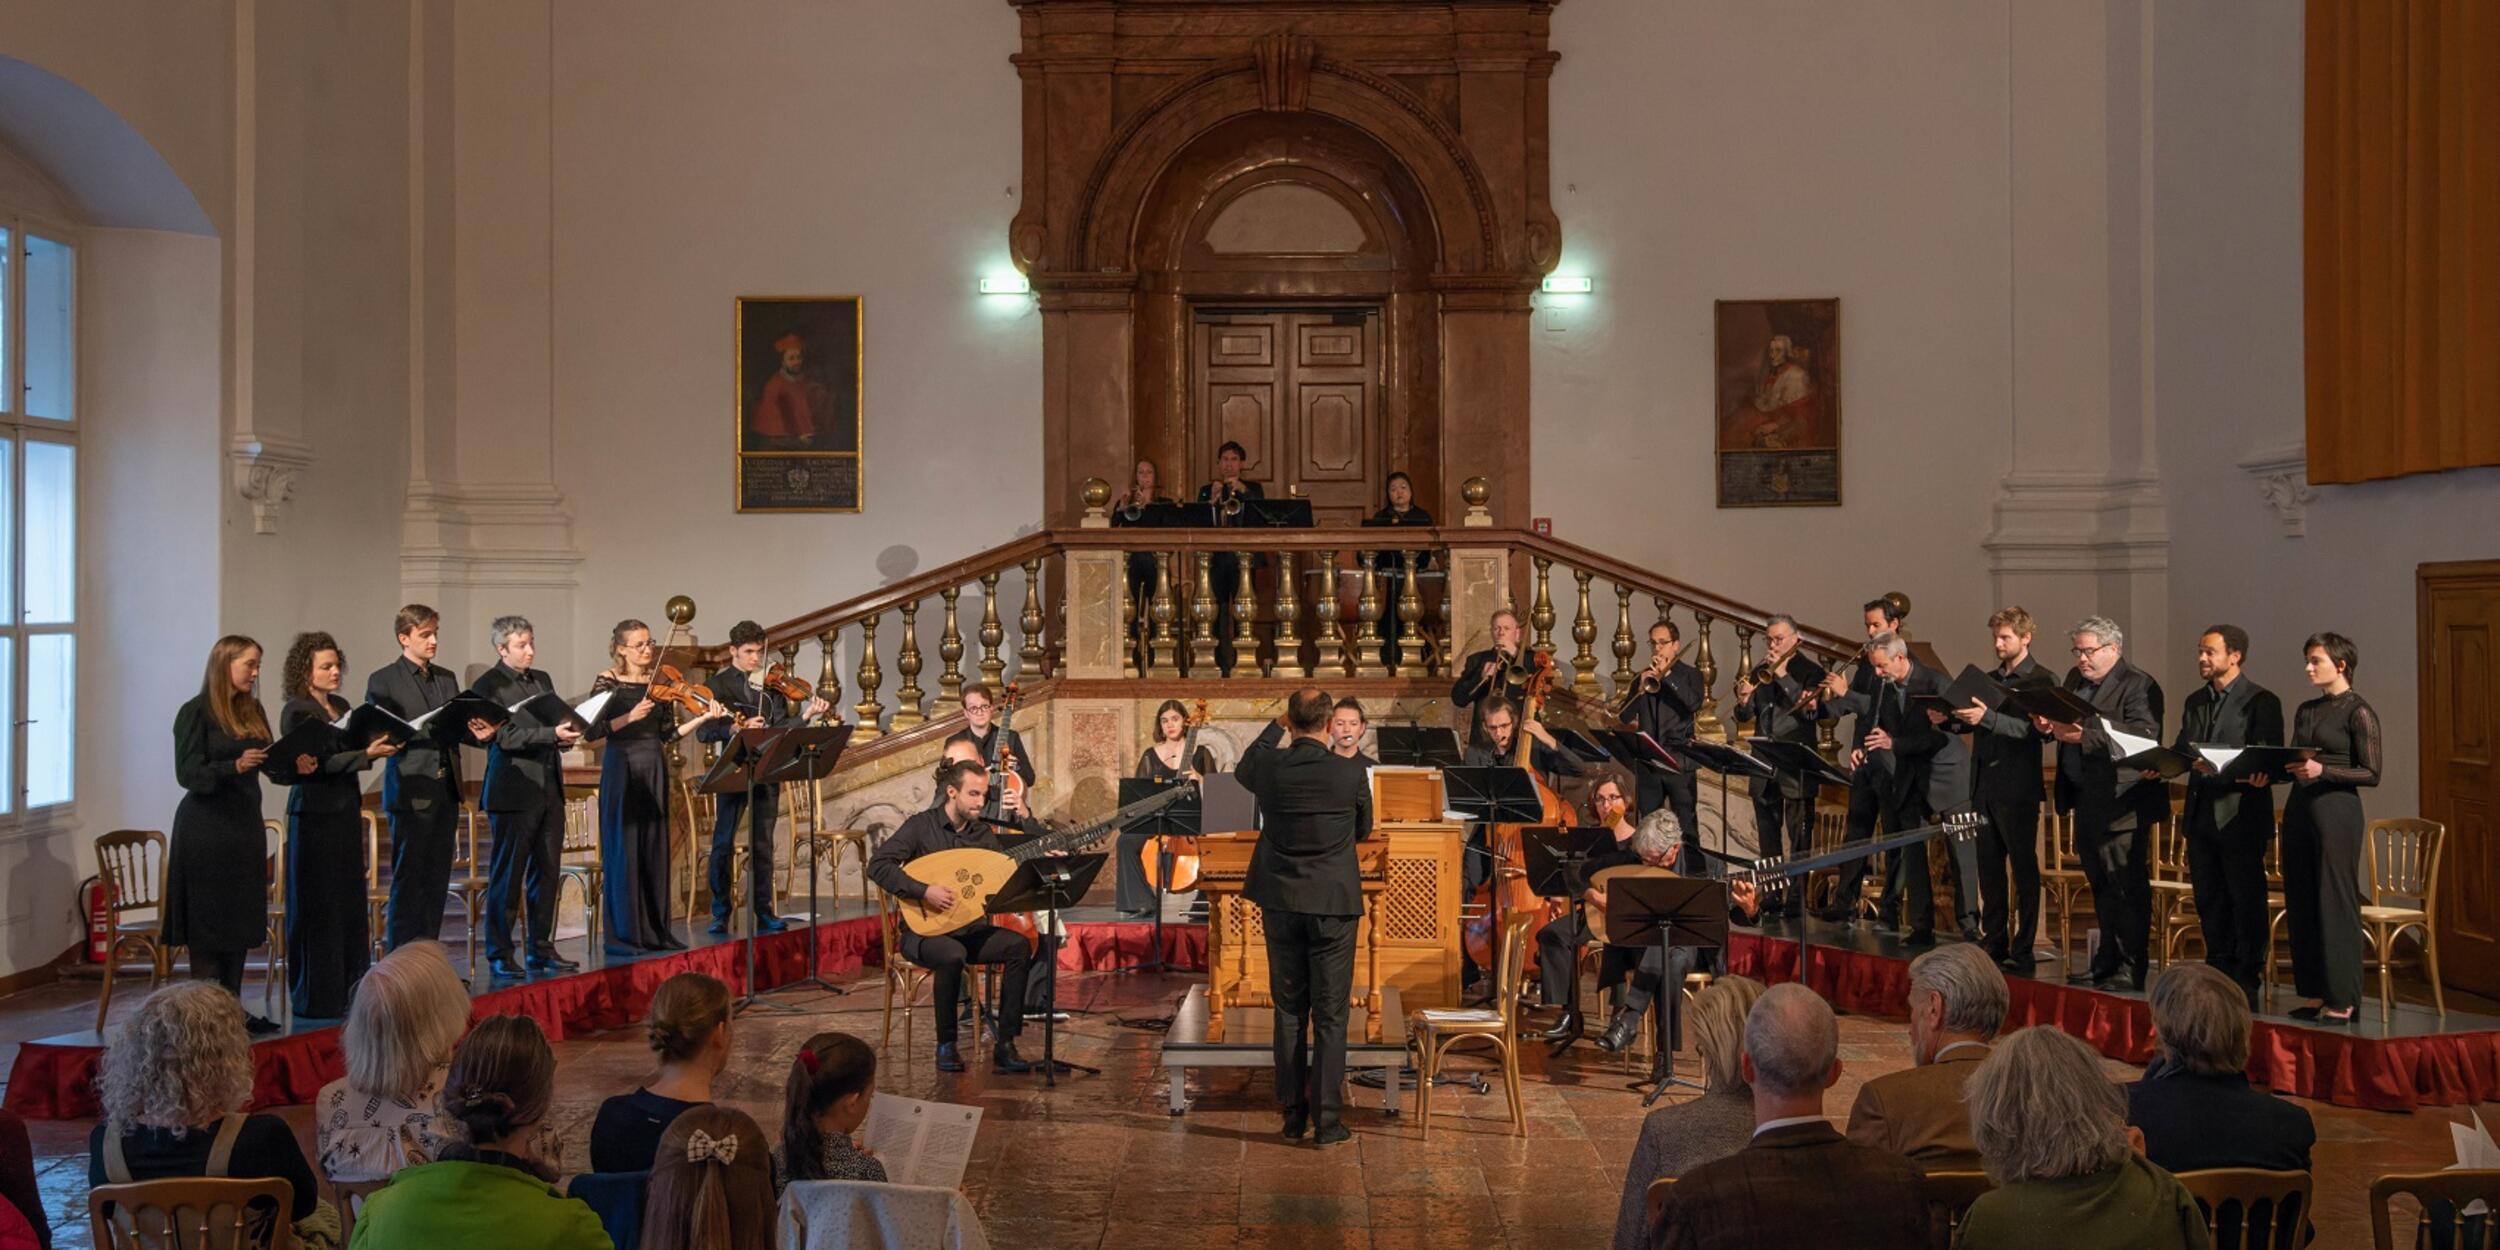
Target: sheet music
[2476,1151]
[2128,745]
[919,1142]
[588,709]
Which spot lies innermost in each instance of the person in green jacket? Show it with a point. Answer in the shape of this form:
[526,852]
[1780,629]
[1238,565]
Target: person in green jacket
[2052,1129]
[486,1190]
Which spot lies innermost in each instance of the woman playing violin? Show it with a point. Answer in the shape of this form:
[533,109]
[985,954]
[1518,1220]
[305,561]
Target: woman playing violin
[633,785]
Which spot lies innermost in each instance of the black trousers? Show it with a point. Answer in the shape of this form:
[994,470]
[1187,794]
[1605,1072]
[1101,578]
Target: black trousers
[1909,866]
[1224,575]
[982,943]
[2322,847]
[1392,586]
[1310,972]
[1558,956]
[1675,791]
[2117,860]
[2009,841]
[2228,874]
[223,967]
[757,809]
[528,853]
[1774,813]
[422,845]
[1866,805]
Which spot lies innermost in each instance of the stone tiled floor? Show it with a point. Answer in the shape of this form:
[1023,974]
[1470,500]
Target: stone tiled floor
[1097,1162]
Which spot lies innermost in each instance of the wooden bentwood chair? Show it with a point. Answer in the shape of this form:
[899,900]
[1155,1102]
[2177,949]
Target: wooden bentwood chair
[2252,1208]
[193,1213]
[131,866]
[1435,1030]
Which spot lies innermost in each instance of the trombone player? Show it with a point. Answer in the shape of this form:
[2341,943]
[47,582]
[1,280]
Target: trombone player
[1499,671]
[1664,699]
[1768,699]
[1227,492]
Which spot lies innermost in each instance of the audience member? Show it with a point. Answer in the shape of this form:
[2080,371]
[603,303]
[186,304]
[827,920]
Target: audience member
[1681,1136]
[1798,1182]
[2194,1105]
[2052,1130]
[1957,1004]
[408,1013]
[486,1188]
[711,1186]
[176,1079]
[689,1031]
[17,1180]
[832,1082]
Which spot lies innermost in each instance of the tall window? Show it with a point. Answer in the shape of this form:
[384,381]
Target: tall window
[38,519]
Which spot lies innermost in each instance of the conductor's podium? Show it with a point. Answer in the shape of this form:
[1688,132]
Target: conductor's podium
[1410,938]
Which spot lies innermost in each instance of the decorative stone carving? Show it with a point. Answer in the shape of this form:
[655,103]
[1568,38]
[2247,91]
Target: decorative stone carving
[2283,482]
[1285,72]
[265,470]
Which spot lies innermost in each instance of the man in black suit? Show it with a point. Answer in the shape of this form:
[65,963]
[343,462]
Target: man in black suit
[955,822]
[755,706]
[2228,823]
[1785,800]
[2006,748]
[524,802]
[1854,696]
[1899,753]
[2114,807]
[1666,715]
[1224,568]
[1313,806]
[421,784]
[1490,674]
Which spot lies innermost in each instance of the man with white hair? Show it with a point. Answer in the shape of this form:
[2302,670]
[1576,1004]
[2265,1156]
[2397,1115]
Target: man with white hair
[2114,807]
[1800,1183]
[1657,845]
[1957,1005]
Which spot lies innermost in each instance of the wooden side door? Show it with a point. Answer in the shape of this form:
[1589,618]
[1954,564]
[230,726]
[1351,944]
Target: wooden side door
[1300,391]
[2458,611]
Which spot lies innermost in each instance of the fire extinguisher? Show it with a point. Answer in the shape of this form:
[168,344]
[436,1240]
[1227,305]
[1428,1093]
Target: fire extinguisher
[96,902]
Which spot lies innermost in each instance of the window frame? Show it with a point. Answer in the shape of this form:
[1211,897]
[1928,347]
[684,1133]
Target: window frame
[19,430]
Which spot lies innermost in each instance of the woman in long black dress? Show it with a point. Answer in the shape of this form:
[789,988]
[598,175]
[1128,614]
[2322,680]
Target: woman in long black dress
[1163,761]
[1400,509]
[2323,830]
[633,796]
[327,946]
[215,902]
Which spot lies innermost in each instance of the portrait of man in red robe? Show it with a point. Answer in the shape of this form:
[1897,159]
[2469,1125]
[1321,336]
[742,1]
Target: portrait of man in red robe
[798,403]
[1777,418]
[794,404]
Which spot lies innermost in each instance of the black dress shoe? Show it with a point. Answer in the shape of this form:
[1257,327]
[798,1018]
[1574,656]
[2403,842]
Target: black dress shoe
[2091,976]
[2304,1013]
[504,970]
[1297,1124]
[1621,1031]
[1331,1134]
[261,1026]
[720,928]
[2020,967]
[770,924]
[552,962]
[1565,1028]
[1920,937]
[949,1059]
[1003,1058]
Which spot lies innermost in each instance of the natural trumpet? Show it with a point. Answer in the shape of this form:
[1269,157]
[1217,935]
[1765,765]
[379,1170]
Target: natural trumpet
[1227,500]
[1648,684]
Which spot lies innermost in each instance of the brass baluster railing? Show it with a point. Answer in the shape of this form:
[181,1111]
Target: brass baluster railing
[993,634]
[1542,615]
[1583,639]
[1165,657]
[1329,646]
[1706,717]
[1289,617]
[1245,612]
[951,658]
[828,681]
[1365,662]
[907,698]
[1412,648]
[1202,620]
[869,709]
[1029,652]
[1624,673]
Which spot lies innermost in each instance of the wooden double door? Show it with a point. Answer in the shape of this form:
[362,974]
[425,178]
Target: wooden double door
[1300,390]
[2459,615]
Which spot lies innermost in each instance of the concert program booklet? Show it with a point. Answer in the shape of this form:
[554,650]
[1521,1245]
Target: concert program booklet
[921,1143]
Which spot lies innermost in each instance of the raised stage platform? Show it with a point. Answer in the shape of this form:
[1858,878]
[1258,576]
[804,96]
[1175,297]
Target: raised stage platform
[2416,1060]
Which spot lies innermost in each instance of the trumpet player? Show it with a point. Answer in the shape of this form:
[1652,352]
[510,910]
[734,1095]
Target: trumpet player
[1767,699]
[1854,695]
[1669,692]
[1499,671]
[1227,492]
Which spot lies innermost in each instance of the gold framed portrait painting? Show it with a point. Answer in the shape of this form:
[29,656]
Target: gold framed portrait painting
[799,389]
[1778,413]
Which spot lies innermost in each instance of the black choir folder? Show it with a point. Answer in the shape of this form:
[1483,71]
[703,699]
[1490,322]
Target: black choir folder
[2238,762]
[1976,685]
[2055,704]
[2133,751]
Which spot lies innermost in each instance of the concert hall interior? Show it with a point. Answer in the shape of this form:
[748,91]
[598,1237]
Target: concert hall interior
[740,416]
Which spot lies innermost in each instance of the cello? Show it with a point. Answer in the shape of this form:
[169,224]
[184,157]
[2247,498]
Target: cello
[1506,889]
[1183,864]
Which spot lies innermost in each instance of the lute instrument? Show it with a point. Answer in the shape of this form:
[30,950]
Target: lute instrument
[976,874]
[1778,870]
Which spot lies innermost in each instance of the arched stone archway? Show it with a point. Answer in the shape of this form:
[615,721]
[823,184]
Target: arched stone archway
[1427,138]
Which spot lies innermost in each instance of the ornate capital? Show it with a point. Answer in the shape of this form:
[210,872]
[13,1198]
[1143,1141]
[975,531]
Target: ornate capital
[265,470]
[2283,482]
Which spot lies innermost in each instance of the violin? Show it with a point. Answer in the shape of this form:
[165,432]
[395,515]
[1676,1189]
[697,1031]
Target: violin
[668,685]
[788,685]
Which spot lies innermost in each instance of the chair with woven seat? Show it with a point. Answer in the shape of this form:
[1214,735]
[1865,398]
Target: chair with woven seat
[194,1213]
[578,863]
[468,885]
[908,977]
[130,863]
[2252,1208]
[1434,1031]
[1949,1196]
[2063,885]
[2440,1195]
[2404,895]
[2174,896]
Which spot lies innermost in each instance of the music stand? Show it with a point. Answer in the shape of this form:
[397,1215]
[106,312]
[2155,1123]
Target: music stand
[1556,857]
[1637,751]
[807,754]
[738,771]
[1666,911]
[1726,761]
[1494,795]
[1177,820]
[1050,883]
[1419,746]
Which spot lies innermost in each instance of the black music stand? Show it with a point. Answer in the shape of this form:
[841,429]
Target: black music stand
[1499,794]
[1419,746]
[1050,883]
[1669,912]
[1796,757]
[1286,512]
[1726,761]
[738,771]
[1180,819]
[1557,856]
[807,754]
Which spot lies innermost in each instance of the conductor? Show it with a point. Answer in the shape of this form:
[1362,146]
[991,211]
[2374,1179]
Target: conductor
[1314,805]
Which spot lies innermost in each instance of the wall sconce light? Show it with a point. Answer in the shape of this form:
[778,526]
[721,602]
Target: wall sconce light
[1568,286]
[1007,284]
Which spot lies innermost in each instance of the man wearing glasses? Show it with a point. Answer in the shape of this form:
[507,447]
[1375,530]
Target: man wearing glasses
[2114,808]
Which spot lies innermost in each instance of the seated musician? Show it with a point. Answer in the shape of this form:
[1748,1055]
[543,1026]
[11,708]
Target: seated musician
[952,824]
[1558,943]
[1656,844]
[1346,727]
[1547,758]
[989,740]
[1040,987]
[1165,759]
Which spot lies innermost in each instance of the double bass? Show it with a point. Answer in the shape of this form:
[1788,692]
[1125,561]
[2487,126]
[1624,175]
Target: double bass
[1506,889]
[1184,851]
